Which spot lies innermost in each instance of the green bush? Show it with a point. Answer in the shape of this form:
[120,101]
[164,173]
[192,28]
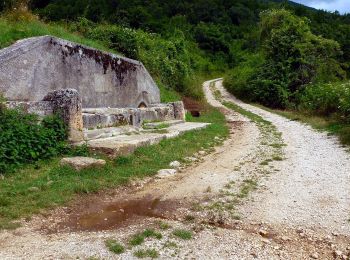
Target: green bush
[327,99]
[237,79]
[291,57]
[24,139]
[115,37]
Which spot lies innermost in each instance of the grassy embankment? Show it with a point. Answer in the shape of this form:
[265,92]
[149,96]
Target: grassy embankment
[45,185]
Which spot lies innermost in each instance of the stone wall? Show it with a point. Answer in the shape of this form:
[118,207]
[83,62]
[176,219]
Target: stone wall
[33,67]
[67,103]
[111,117]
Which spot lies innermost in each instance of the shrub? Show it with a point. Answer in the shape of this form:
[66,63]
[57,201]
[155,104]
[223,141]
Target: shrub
[327,99]
[115,37]
[294,58]
[24,139]
[237,79]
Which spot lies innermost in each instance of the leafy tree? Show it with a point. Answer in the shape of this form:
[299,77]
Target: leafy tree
[294,56]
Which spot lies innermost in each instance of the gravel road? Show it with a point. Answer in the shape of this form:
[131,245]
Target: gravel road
[235,200]
[312,189]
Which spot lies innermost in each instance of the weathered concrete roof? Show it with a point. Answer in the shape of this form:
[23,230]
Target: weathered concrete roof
[32,67]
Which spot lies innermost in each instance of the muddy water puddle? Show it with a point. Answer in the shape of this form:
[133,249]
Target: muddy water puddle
[112,215]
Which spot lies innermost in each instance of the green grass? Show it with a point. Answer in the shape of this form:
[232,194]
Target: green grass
[137,239]
[152,233]
[143,253]
[183,234]
[246,187]
[163,225]
[167,94]
[114,246]
[254,117]
[13,31]
[58,185]
[330,124]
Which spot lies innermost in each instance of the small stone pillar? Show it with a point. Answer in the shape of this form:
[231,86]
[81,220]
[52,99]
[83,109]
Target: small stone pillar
[179,110]
[67,103]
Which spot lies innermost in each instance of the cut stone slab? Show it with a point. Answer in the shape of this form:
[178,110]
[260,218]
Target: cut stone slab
[80,163]
[109,132]
[155,125]
[124,144]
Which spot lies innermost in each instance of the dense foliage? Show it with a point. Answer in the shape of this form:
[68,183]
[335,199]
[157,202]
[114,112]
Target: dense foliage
[293,68]
[327,99]
[293,58]
[24,139]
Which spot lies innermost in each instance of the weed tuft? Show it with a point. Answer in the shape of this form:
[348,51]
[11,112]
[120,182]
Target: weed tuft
[114,246]
[143,253]
[183,234]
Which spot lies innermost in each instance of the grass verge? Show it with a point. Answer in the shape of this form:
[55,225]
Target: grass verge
[46,185]
[330,124]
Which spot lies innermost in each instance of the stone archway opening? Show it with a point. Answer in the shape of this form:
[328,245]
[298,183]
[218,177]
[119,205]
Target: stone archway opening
[142,105]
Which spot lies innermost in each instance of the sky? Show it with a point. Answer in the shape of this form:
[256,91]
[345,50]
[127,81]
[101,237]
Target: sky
[343,6]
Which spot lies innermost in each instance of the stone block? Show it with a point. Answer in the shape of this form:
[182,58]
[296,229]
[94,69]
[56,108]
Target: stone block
[179,110]
[80,163]
[165,173]
[67,103]
[33,67]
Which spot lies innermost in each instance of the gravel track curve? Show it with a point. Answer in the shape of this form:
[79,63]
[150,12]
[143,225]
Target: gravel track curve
[312,189]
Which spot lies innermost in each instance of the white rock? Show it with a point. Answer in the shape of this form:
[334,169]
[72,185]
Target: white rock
[164,173]
[314,256]
[338,253]
[202,153]
[191,159]
[33,189]
[79,163]
[285,238]
[175,164]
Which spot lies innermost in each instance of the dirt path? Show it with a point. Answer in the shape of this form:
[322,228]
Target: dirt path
[251,198]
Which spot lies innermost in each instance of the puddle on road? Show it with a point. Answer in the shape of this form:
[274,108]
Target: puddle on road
[117,214]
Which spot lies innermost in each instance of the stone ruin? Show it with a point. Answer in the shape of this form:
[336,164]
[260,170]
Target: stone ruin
[90,88]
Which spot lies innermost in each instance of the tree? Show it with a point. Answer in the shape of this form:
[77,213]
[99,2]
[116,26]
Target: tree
[294,57]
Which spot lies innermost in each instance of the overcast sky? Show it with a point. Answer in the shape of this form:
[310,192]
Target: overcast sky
[343,6]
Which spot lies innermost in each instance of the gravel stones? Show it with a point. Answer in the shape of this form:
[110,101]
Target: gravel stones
[164,173]
[175,164]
